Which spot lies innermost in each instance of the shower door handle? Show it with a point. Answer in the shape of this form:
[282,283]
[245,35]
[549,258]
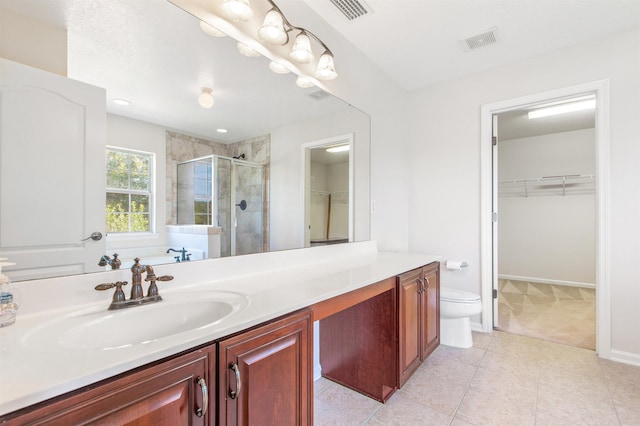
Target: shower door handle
[242,205]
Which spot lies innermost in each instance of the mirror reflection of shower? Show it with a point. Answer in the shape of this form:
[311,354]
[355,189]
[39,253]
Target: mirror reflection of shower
[228,193]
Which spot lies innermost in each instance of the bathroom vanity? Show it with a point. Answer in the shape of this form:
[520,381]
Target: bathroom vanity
[378,316]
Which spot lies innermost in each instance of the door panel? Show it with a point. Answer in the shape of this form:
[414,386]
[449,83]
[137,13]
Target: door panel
[57,126]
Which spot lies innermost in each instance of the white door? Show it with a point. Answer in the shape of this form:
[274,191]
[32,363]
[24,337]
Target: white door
[52,172]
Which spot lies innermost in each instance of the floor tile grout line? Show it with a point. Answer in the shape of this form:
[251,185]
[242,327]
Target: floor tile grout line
[606,383]
[455,413]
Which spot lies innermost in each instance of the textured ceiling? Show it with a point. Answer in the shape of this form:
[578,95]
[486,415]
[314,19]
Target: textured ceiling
[154,54]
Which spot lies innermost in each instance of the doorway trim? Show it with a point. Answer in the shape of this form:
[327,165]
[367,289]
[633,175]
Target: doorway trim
[346,138]
[603,261]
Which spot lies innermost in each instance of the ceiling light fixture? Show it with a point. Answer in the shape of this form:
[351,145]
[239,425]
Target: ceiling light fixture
[206,97]
[563,108]
[221,130]
[338,148]
[274,30]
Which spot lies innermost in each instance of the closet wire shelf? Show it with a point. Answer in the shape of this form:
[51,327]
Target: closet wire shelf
[561,185]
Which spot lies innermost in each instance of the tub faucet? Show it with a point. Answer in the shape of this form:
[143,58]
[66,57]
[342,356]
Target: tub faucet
[106,260]
[137,295]
[184,256]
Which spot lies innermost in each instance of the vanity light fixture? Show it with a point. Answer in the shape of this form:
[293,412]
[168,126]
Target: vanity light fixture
[275,30]
[338,148]
[572,105]
[206,97]
[237,10]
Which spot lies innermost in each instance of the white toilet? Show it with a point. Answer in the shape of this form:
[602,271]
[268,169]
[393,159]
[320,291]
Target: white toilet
[456,309]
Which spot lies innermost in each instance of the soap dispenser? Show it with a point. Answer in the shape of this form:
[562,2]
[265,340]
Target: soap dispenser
[8,296]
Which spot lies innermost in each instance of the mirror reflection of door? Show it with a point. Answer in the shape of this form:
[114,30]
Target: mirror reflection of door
[329,194]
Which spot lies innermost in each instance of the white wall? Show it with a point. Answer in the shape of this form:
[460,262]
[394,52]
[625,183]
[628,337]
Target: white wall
[128,133]
[444,201]
[547,237]
[286,207]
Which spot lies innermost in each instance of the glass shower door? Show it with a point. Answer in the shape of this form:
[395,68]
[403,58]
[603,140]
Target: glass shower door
[239,187]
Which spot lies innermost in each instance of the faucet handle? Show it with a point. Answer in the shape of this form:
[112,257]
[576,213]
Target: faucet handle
[118,296]
[165,278]
[107,286]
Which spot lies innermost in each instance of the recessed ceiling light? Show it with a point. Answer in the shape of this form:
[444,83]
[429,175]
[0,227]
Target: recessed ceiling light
[221,130]
[122,102]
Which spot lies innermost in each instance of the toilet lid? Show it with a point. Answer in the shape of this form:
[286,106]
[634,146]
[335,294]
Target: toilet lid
[460,296]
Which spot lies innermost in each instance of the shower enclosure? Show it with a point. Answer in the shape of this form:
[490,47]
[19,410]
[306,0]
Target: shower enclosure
[228,193]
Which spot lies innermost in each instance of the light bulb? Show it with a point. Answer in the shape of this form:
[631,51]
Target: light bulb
[301,51]
[206,98]
[325,69]
[272,29]
[237,10]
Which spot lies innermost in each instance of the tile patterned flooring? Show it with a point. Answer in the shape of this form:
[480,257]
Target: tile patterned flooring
[551,312]
[505,379]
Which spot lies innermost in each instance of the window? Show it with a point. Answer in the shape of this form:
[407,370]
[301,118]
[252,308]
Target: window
[202,194]
[129,191]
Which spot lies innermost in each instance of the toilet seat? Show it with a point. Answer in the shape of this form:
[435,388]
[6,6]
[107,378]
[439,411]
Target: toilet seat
[458,296]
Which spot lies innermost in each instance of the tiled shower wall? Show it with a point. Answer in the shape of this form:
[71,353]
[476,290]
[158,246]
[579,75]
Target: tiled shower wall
[182,147]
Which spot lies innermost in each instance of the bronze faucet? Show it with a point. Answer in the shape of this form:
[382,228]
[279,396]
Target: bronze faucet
[137,294]
[106,260]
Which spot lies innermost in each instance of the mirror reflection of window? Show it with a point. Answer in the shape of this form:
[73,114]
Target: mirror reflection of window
[129,195]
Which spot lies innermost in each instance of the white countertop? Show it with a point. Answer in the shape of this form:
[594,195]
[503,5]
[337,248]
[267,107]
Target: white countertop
[35,369]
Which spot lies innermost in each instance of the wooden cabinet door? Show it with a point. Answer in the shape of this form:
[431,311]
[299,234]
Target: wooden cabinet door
[265,374]
[410,327]
[431,310]
[168,393]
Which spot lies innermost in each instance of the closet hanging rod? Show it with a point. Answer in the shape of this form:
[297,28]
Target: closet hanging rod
[549,178]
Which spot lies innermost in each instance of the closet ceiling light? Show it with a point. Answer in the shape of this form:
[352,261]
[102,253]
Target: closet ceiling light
[122,102]
[562,108]
[338,148]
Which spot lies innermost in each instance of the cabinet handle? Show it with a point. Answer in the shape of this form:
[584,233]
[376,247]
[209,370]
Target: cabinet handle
[421,286]
[428,283]
[236,370]
[200,412]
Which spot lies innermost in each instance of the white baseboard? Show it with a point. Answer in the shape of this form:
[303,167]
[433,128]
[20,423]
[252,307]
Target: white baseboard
[547,281]
[625,357]
[476,326]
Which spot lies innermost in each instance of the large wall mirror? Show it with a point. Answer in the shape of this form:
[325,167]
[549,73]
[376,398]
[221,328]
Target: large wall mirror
[157,56]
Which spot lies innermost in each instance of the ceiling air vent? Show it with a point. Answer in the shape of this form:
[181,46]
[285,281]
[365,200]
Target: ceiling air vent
[486,37]
[352,9]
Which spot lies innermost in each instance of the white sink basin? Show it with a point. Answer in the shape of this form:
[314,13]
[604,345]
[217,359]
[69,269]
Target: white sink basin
[98,328]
